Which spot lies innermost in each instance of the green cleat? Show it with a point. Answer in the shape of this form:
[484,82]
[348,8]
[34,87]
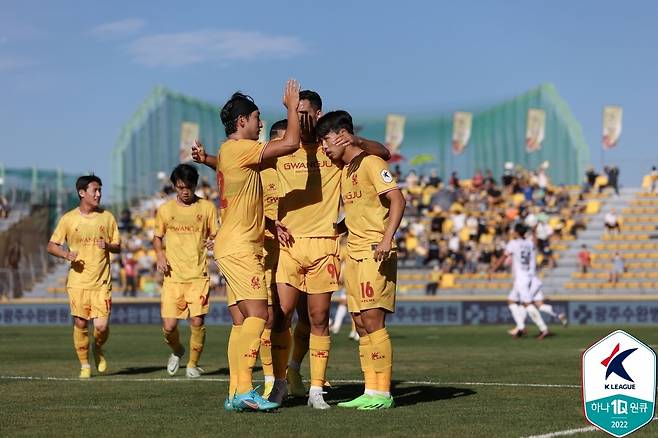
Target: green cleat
[378,402]
[362,400]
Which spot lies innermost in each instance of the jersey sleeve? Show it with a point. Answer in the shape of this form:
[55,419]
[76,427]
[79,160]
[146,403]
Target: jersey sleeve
[113,232]
[251,154]
[212,221]
[160,226]
[59,235]
[379,175]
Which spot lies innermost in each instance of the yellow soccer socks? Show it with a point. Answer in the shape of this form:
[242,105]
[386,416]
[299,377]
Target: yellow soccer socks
[381,358]
[197,341]
[248,346]
[233,342]
[99,340]
[369,374]
[81,344]
[319,357]
[266,353]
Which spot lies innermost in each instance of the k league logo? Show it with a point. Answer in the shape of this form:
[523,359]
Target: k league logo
[619,384]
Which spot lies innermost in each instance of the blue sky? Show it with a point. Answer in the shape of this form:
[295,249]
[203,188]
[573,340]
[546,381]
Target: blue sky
[73,72]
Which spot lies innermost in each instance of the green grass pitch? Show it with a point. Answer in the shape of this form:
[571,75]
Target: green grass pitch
[450,381]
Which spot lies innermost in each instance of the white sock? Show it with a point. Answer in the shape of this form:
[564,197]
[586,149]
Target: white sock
[518,314]
[548,309]
[370,392]
[294,365]
[269,379]
[338,319]
[382,393]
[315,390]
[536,317]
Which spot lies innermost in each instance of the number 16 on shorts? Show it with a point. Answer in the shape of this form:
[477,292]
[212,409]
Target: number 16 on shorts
[619,384]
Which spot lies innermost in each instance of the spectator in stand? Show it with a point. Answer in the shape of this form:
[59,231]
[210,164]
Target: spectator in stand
[435,279]
[653,177]
[130,269]
[397,173]
[434,180]
[412,179]
[4,207]
[508,174]
[543,233]
[13,261]
[489,178]
[613,178]
[618,268]
[590,179]
[477,182]
[454,180]
[585,259]
[611,222]
[432,252]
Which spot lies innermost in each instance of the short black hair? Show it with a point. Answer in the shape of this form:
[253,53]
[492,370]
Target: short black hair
[186,173]
[238,105]
[281,125]
[521,229]
[334,121]
[83,182]
[313,97]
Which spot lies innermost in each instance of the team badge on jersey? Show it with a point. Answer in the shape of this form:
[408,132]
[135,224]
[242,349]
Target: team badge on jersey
[386,176]
[619,384]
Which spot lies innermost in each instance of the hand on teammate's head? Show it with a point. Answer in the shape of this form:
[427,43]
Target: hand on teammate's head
[198,152]
[291,94]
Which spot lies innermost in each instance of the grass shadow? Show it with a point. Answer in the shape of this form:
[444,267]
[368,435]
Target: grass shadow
[405,395]
[138,370]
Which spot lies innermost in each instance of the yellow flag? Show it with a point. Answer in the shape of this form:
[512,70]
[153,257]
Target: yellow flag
[611,126]
[461,131]
[535,129]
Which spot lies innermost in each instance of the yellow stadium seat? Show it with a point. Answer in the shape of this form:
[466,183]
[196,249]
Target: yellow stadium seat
[592,207]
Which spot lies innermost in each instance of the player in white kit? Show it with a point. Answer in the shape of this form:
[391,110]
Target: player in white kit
[526,287]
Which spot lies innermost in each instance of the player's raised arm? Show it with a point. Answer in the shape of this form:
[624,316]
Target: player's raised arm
[290,141]
[396,211]
[371,147]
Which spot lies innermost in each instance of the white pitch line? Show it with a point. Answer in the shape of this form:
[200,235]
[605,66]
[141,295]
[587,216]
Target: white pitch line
[565,432]
[224,379]
[571,431]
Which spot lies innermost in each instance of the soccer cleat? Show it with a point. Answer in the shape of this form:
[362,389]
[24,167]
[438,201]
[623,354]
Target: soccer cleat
[174,363]
[279,392]
[563,319]
[378,402]
[362,400]
[544,335]
[228,404]
[296,386]
[99,358]
[354,336]
[267,389]
[193,372]
[85,372]
[516,333]
[252,401]
[316,401]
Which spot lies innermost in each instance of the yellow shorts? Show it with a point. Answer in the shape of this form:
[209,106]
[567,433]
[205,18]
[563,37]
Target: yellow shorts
[245,277]
[311,265]
[371,284]
[90,303]
[183,300]
[270,261]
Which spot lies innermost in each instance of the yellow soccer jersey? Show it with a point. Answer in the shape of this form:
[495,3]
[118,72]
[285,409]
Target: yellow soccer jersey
[91,269]
[270,181]
[309,192]
[241,198]
[185,228]
[366,214]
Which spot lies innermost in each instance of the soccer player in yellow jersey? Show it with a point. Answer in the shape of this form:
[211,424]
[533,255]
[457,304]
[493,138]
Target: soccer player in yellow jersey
[270,183]
[374,206]
[186,225]
[239,249]
[309,203]
[91,234]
